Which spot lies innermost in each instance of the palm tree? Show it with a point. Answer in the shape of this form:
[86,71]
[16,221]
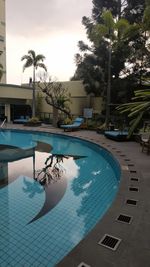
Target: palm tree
[31,59]
[136,109]
[112,32]
[1,71]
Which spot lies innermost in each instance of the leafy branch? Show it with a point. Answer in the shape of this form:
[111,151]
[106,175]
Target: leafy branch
[137,108]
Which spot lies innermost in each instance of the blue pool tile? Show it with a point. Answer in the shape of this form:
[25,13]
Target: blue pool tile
[45,241]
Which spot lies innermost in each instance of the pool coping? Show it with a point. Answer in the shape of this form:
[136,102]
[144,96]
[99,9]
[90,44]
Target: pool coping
[133,249]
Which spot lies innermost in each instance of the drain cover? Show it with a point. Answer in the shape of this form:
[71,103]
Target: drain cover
[131,202]
[124,218]
[82,264]
[133,171]
[133,189]
[110,242]
[134,179]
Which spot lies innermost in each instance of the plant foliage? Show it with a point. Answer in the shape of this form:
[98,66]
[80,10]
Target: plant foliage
[136,109]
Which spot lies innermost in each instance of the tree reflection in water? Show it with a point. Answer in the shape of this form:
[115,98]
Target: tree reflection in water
[52,171]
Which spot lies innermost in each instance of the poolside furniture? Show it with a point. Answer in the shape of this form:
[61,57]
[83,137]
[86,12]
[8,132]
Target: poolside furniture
[21,119]
[74,126]
[145,144]
[118,135]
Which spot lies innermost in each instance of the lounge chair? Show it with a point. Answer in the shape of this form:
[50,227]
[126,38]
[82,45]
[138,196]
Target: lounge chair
[74,126]
[21,119]
[117,135]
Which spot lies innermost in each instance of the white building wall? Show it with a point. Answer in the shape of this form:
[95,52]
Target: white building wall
[3,39]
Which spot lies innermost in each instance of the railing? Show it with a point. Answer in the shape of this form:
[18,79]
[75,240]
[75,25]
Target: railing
[46,116]
[3,123]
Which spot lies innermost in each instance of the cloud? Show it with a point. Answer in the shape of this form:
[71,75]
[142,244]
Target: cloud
[46,17]
[58,50]
[50,27]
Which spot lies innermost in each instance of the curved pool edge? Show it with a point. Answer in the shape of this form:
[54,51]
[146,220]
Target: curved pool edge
[129,251]
[88,251]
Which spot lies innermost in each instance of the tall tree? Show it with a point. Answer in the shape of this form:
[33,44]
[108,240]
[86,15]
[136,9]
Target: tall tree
[35,61]
[99,6]
[126,56]
[113,33]
[140,105]
[134,10]
[57,96]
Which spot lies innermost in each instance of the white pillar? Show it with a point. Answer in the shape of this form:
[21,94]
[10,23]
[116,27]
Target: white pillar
[7,112]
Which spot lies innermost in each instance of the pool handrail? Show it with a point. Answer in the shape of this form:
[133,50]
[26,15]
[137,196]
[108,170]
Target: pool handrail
[3,123]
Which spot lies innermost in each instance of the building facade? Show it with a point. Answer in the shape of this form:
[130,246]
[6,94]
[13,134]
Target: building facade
[15,100]
[3,40]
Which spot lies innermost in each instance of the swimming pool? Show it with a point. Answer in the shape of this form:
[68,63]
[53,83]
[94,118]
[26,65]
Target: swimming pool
[42,221]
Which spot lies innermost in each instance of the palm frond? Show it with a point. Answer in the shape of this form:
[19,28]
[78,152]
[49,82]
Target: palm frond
[39,57]
[125,108]
[25,57]
[134,123]
[137,108]
[41,65]
[28,63]
[32,54]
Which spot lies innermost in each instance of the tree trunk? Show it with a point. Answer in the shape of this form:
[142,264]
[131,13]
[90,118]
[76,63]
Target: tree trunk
[108,96]
[55,116]
[33,94]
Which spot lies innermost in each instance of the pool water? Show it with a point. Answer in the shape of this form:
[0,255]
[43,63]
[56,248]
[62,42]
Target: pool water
[41,222]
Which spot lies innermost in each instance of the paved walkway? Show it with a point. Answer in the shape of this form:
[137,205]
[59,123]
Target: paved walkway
[132,201]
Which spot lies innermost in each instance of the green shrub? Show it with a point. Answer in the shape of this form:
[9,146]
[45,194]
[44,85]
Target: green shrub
[67,121]
[34,120]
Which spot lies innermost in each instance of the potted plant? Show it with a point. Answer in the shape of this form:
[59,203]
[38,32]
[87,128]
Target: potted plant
[34,121]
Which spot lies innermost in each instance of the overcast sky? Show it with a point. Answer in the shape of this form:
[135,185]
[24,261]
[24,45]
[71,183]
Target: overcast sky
[50,27]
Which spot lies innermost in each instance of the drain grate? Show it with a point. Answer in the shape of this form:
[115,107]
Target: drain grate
[134,189]
[131,202]
[122,155]
[132,171]
[134,179]
[110,242]
[127,159]
[130,165]
[124,218]
[82,264]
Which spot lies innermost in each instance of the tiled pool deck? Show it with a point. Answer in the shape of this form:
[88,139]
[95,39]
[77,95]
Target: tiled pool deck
[134,248]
